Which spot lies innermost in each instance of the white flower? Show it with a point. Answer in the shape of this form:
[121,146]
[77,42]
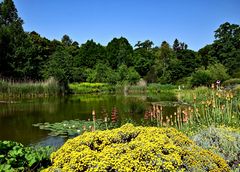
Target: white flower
[78,131]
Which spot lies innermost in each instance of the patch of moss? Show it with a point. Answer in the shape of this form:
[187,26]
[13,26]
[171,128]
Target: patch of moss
[132,148]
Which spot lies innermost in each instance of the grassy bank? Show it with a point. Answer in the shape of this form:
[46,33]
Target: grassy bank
[29,89]
[85,87]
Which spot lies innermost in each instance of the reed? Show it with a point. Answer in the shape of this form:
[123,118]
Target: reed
[10,88]
[136,89]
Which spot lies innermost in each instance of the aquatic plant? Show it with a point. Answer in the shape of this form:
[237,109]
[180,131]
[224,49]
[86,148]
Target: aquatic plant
[71,127]
[132,148]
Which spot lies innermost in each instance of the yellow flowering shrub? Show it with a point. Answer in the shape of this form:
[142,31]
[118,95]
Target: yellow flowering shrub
[132,148]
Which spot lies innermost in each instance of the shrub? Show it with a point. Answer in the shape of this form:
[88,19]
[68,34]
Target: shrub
[102,73]
[222,141]
[218,72]
[132,148]
[201,77]
[132,76]
[211,75]
[126,74]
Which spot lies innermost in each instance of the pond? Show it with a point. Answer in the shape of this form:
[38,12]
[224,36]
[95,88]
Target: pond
[17,116]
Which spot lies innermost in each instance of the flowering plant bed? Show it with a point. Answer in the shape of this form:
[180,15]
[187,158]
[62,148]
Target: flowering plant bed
[132,148]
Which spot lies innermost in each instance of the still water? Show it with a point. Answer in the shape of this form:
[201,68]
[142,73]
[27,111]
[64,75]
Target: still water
[17,116]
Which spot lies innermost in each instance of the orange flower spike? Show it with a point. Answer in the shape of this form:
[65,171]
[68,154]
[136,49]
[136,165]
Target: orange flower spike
[94,115]
[231,95]
[213,86]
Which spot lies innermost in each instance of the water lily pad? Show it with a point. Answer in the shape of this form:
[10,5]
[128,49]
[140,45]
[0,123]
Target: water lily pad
[69,128]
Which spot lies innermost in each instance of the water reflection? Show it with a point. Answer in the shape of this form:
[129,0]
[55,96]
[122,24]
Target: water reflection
[16,118]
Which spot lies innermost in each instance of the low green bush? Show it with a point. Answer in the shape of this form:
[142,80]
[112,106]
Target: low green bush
[15,157]
[223,141]
[205,77]
[132,148]
[201,77]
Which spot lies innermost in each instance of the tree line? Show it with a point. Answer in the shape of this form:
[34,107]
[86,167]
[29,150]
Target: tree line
[29,56]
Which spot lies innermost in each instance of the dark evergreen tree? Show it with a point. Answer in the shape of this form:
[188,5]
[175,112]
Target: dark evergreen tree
[176,45]
[66,40]
[119,52]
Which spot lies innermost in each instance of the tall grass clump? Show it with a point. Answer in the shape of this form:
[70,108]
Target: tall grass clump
[29,89]
[136,89]
[86,87]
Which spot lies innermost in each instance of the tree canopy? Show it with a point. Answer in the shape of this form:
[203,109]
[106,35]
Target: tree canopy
[28,55]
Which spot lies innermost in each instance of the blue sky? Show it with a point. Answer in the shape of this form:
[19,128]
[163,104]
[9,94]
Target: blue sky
[191,21]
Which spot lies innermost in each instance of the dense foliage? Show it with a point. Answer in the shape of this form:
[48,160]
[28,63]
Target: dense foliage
[15,157]
[132,148]
[28,56]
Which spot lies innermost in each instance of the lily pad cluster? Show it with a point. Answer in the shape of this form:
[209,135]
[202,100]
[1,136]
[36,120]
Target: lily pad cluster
[71,127]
